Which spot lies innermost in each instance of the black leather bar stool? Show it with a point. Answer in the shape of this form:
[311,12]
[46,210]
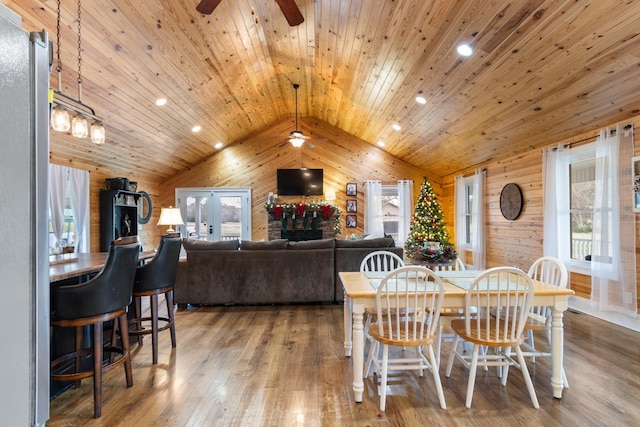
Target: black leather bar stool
[152,279]
[103,298]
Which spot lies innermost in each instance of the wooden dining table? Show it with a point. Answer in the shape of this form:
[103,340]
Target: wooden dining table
[360,293]
[70,266]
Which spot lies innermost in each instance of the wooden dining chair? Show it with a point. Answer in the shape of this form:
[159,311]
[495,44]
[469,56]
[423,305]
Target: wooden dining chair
[509,292]
[377,261]
[408,303]
[448,312]
[549,270]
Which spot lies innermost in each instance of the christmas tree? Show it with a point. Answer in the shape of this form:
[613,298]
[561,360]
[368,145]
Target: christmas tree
[428,240]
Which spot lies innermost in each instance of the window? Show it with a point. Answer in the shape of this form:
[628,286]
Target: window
[68,213]
[68,238]
[582,187]
[390,210]
[468,206]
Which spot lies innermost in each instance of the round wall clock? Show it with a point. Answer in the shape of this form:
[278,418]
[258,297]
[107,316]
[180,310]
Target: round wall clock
[511,201]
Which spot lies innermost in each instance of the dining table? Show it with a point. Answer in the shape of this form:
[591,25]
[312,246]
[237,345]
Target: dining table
[78,265]
[360,292]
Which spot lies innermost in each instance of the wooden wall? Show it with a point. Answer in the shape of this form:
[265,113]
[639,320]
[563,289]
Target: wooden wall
[519,242]
[149,233]
[253,163]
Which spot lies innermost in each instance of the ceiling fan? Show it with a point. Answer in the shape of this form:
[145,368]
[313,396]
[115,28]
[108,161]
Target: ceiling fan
[296,137]
[289,9]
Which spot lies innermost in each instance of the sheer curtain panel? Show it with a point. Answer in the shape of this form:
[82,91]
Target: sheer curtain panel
[613,263]
[373,208]
[555,187]
[460,212]
[57,198]
[405,209]
[477,210]
[79,187]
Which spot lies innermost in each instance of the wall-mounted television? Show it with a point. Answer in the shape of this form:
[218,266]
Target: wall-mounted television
[300,182]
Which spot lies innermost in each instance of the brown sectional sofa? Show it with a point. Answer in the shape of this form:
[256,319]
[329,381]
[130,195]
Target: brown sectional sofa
[272,272]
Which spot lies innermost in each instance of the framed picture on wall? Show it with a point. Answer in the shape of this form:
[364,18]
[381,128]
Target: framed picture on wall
[352,206]
[352,189]
[351,221]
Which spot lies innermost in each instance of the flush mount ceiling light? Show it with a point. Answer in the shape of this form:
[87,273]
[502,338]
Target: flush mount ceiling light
[464,49]
[161,101]
[381,143]
[218,145]
[396,126]
[196,128]
[420,99]
[60,118]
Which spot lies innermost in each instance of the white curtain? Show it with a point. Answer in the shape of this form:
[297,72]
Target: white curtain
[79,187]
[373,208]
[478,212]
[555,188]
[460,212]
[57,195]
[613,264]
[405,210]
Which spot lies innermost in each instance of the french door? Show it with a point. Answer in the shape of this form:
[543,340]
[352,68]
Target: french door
[215,213]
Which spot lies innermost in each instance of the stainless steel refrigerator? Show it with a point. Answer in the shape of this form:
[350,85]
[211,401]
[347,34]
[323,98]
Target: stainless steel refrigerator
[24,269]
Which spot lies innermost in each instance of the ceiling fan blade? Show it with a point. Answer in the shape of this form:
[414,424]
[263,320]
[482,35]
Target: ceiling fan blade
[206,7]
[316,138]
[291,12]
[309,144]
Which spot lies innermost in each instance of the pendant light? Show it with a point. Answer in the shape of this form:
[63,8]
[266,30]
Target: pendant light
[60,122]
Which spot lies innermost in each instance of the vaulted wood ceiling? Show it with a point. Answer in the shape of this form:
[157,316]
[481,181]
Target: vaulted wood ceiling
[542,71]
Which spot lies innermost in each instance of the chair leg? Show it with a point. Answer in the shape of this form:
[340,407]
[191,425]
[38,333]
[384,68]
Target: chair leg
[138,315]
[154,327]
[383,380]
[472,374]
[373,353]
[125,348]
[439,340]
[452,354]
[527,378]
[78,338]
[436,376]
[170,306]
[97,369]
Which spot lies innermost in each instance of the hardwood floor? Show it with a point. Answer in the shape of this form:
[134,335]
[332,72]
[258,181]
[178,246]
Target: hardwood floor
[285,366]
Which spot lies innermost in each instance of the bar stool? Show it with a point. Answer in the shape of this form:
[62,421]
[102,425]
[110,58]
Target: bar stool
[103,298]
[152,279]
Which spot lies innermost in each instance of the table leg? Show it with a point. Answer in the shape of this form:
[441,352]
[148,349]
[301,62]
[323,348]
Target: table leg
[358,349]
[557,349]
[347,325]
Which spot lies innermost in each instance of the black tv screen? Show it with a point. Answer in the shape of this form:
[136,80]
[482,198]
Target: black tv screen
[300,182]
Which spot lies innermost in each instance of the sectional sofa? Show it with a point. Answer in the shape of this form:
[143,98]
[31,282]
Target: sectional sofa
[270,272]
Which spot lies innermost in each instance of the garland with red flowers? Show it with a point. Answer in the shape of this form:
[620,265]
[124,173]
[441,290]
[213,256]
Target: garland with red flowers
[309,214]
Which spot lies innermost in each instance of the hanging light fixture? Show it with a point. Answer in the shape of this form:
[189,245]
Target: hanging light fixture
[60,118]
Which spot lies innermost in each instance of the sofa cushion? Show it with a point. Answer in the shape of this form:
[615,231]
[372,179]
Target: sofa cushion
[380,242]
[313,244]
[259,246]
[223,245]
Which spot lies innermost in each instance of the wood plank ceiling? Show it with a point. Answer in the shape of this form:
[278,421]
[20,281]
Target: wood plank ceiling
[542,71]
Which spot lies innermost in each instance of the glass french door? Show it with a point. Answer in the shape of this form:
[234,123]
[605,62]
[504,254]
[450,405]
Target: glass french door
[215,213]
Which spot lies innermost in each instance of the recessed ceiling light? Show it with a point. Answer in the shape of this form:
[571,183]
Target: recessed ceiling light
[218,145]
[161,101]
[421,99]
[196,128]
[465,49]
[396,126]
[381,143]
